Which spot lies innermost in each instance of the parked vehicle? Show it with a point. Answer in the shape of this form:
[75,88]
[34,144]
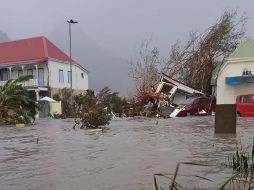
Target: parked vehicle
[245,105]
[196,105]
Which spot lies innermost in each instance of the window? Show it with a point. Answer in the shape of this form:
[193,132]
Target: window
[188,101]
[69,77]
[246,99]
[20,72]
[82,75]
[61,76]
[29,72]
[204,100]
[197,102]
[4,75]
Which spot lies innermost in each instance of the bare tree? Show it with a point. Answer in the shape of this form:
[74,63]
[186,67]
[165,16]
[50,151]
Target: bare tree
[145,69]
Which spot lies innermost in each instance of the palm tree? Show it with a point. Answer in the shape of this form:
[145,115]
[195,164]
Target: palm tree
[15,104]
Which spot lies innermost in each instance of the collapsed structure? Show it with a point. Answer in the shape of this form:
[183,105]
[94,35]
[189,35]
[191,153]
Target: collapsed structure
[176,91]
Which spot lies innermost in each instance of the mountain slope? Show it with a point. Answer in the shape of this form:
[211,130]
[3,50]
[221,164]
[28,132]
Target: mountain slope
[105,69]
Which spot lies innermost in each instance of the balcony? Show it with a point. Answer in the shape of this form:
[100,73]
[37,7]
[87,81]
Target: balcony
[31,83]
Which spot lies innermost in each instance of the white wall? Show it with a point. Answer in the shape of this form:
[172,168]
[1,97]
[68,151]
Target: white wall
[226,94]
[78,83]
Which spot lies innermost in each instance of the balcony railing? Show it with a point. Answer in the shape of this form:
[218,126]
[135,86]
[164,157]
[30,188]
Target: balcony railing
[29,83]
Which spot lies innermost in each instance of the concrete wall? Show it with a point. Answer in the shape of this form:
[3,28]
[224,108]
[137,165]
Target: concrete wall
[226,94]
[78,82]
[225,119]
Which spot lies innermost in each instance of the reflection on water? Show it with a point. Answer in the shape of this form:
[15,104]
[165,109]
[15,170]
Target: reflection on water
[52,156]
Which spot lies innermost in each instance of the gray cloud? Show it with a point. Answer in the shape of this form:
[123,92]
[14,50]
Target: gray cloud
[114,28]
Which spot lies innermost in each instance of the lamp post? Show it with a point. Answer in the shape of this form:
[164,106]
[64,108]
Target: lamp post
[71,22]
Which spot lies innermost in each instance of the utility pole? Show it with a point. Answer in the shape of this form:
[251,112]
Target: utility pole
[71,22]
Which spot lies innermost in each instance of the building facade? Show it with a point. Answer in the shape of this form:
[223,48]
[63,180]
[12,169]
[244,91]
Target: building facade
[46,64]
[234,77]
[236,74]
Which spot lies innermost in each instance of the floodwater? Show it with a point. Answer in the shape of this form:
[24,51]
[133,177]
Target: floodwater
[53,156]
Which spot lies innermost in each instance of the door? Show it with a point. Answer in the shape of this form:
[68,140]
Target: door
[41,77]
[44,110]
[196,106]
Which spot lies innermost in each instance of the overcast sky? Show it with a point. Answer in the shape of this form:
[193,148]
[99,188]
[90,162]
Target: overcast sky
[119,26]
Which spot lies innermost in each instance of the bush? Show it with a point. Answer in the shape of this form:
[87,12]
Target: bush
[92,111]
[57,97]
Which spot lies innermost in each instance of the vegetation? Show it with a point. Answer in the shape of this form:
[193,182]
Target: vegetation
[15,104]
[174,185]
[242,164]
[117,105]
[193,62]
[145,69]
[93,111]
[242,178]
[64,96]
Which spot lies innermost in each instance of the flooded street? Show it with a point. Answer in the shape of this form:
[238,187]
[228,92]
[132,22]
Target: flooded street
[52,156]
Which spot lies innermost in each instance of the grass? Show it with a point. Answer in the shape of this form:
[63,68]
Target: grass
[242,164]
[242,178]
[241,161]
[174,185]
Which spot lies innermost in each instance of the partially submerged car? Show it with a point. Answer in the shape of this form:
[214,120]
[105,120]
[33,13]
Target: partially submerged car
[245,105]
[195,105]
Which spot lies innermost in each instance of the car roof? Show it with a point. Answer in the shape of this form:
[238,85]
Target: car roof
[246,94]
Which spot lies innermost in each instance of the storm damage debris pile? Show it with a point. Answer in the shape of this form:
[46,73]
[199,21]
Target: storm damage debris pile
[188,70]
[170,96]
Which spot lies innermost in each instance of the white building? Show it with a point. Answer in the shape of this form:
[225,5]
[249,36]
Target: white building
[48,66]
[235,75]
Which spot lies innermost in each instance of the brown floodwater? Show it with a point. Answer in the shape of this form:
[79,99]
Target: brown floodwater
[53,156]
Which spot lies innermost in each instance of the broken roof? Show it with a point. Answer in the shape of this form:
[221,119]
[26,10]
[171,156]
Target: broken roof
[167,80]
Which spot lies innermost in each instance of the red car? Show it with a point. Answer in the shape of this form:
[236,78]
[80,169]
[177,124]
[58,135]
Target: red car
[196,104]
[245,105]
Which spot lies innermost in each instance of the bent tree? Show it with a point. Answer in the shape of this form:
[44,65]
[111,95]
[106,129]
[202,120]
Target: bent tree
[193,62]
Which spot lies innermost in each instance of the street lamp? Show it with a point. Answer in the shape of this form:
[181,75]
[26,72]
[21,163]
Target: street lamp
[71,22]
